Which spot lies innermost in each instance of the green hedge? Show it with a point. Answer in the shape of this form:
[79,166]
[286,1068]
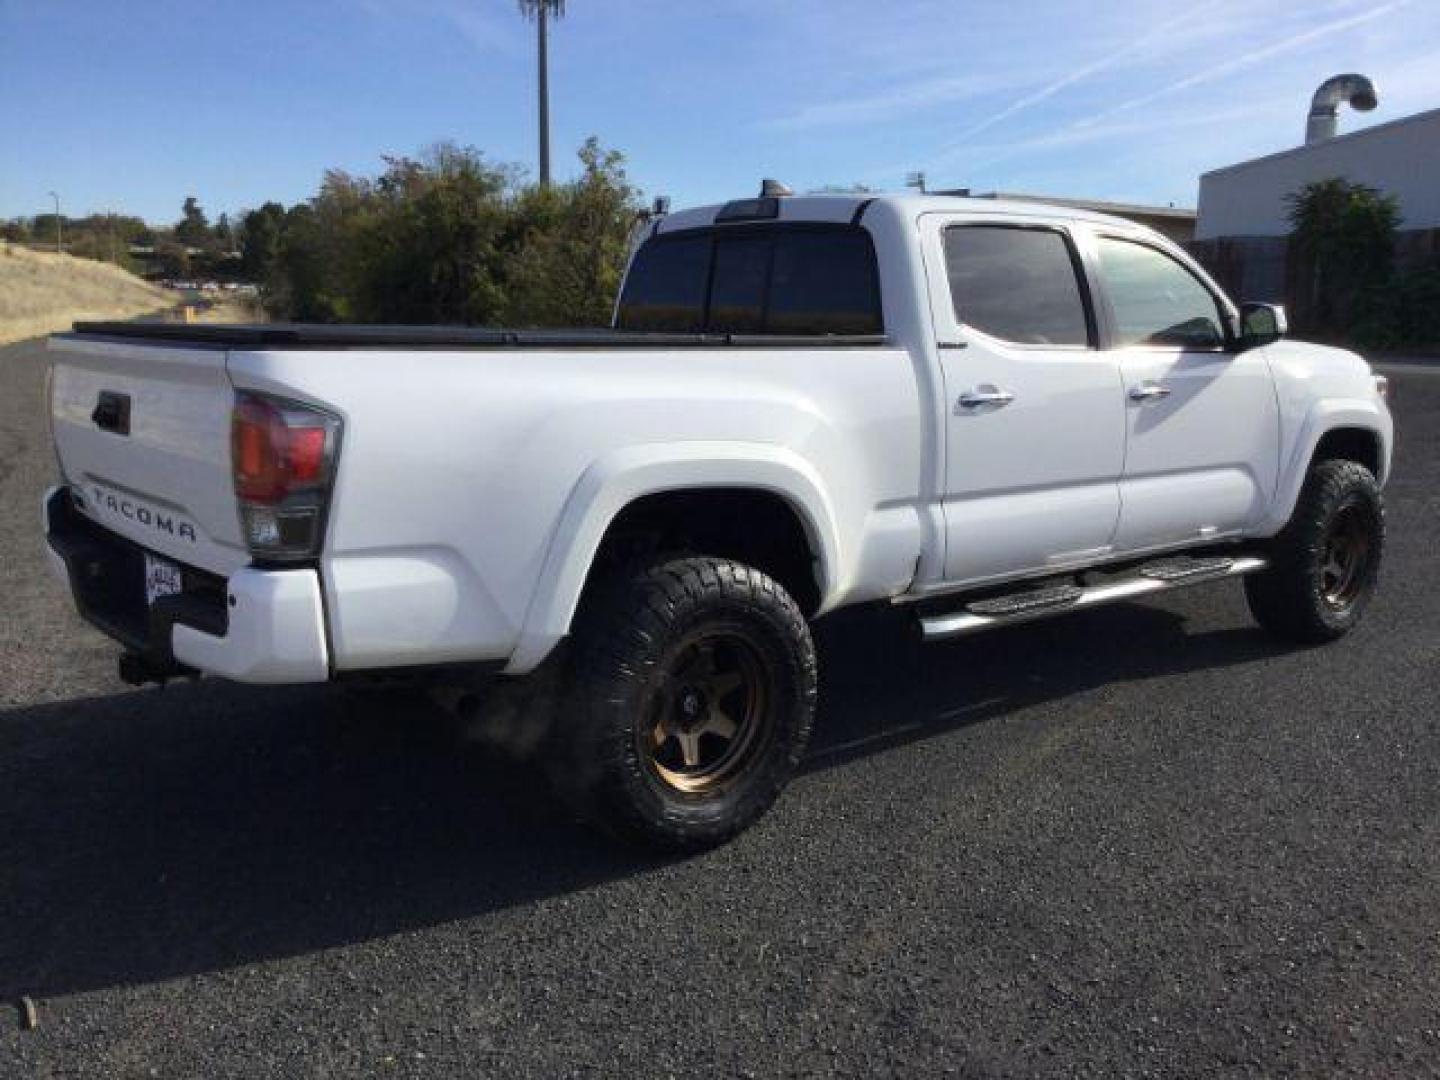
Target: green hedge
[1403,313]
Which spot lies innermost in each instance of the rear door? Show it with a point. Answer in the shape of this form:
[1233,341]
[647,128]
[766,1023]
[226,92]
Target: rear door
[1035,420]
[142,431]
[1202,423]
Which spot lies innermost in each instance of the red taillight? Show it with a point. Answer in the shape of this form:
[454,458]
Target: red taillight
[306,454]
[275,450]
[256,440]
[282,458]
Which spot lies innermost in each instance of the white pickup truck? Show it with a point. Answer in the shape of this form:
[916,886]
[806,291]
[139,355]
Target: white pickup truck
[988,412]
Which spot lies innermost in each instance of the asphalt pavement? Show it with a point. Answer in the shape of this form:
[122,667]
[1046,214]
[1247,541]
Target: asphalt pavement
[1144,840]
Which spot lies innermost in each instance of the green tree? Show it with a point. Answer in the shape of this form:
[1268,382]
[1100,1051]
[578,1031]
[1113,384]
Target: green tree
[43,228]
[1343,240]
[193,228]
[448,237]
[262,232]
[572,244]
[430,247]
[172,259]
[541,11]
[305,278]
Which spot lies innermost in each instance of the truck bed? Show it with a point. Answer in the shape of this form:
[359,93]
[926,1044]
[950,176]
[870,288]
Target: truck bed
[327,336]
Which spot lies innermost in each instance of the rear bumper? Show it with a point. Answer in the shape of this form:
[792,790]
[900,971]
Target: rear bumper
[260,626]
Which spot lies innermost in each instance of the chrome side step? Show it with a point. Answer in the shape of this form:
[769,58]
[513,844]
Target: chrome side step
[1040,603]
[1173,570]
[1034,600]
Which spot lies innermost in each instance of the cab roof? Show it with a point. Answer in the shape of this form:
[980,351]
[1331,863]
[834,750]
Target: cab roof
[851,208]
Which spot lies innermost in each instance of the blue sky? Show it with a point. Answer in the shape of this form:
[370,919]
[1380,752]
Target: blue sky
[133,105]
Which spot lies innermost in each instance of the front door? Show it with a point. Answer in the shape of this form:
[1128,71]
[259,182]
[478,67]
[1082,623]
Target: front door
[1035,414]
[1203,428]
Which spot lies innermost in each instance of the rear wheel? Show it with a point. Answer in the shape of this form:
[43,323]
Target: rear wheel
[690,705]
[1325,563]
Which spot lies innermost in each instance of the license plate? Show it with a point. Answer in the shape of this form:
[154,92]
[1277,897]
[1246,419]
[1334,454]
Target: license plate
[162,578]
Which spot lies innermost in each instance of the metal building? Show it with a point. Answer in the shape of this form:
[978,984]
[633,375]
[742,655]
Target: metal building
[1401,158]
[1243,224]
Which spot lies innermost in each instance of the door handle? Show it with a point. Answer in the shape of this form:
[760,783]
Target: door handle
[1149,391]
[985,395]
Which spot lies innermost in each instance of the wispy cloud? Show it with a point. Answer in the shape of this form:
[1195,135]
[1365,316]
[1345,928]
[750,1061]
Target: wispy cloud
[1219,71]
[983,155]
[900,99]
[1144,122]
[1137,47]
[484,27]
[1124,159]
[1407,85]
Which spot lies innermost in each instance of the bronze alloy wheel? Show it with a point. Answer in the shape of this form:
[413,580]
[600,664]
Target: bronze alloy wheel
[1345,561]
[692,688]
[1325,563]
[707,712]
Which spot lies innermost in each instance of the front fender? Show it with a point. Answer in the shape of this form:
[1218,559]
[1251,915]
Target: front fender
[1323,417]
[615,481]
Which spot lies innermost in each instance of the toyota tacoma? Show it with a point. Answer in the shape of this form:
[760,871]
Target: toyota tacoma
[978,411]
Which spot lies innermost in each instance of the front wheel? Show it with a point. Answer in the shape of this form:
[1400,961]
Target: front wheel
[691,701]
[1325,563]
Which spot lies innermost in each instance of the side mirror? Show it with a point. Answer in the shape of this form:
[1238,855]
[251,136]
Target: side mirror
[1260,324]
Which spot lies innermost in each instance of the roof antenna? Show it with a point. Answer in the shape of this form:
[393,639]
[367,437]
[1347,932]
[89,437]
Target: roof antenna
[773,189]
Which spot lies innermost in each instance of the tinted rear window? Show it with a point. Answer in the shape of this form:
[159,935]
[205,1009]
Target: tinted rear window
[737,294]
[1016,284]
[665,289]
[824,283]
[774,280]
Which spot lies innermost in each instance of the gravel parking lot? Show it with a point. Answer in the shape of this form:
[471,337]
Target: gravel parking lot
[1137,841]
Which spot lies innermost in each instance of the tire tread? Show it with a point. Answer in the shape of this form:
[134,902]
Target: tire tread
[1284,598]
[617,629]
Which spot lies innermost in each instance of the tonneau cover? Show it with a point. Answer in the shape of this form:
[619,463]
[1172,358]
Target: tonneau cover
[325,336]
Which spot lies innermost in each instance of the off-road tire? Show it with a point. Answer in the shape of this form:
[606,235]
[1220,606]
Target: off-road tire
[634,630]
[1293,598]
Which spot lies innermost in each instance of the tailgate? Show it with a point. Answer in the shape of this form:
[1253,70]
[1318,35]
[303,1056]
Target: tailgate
[143,435]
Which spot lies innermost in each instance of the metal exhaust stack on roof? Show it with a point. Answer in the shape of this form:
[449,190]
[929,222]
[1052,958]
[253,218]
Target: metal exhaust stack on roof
[1325,105]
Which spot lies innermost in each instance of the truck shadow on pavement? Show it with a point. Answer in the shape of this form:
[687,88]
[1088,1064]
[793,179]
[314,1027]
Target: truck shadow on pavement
[163,833]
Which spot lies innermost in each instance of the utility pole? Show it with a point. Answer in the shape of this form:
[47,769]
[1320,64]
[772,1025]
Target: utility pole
[542,23]
[540,11]
[59,247]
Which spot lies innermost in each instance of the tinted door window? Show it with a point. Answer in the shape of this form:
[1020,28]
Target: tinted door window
[665,289]
[1156,300]
[1016,284]
[823,283]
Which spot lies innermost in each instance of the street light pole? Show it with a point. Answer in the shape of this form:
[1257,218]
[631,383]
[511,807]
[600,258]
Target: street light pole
[58,245]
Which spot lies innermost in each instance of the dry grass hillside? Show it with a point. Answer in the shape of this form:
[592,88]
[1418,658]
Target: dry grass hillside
[42,292]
